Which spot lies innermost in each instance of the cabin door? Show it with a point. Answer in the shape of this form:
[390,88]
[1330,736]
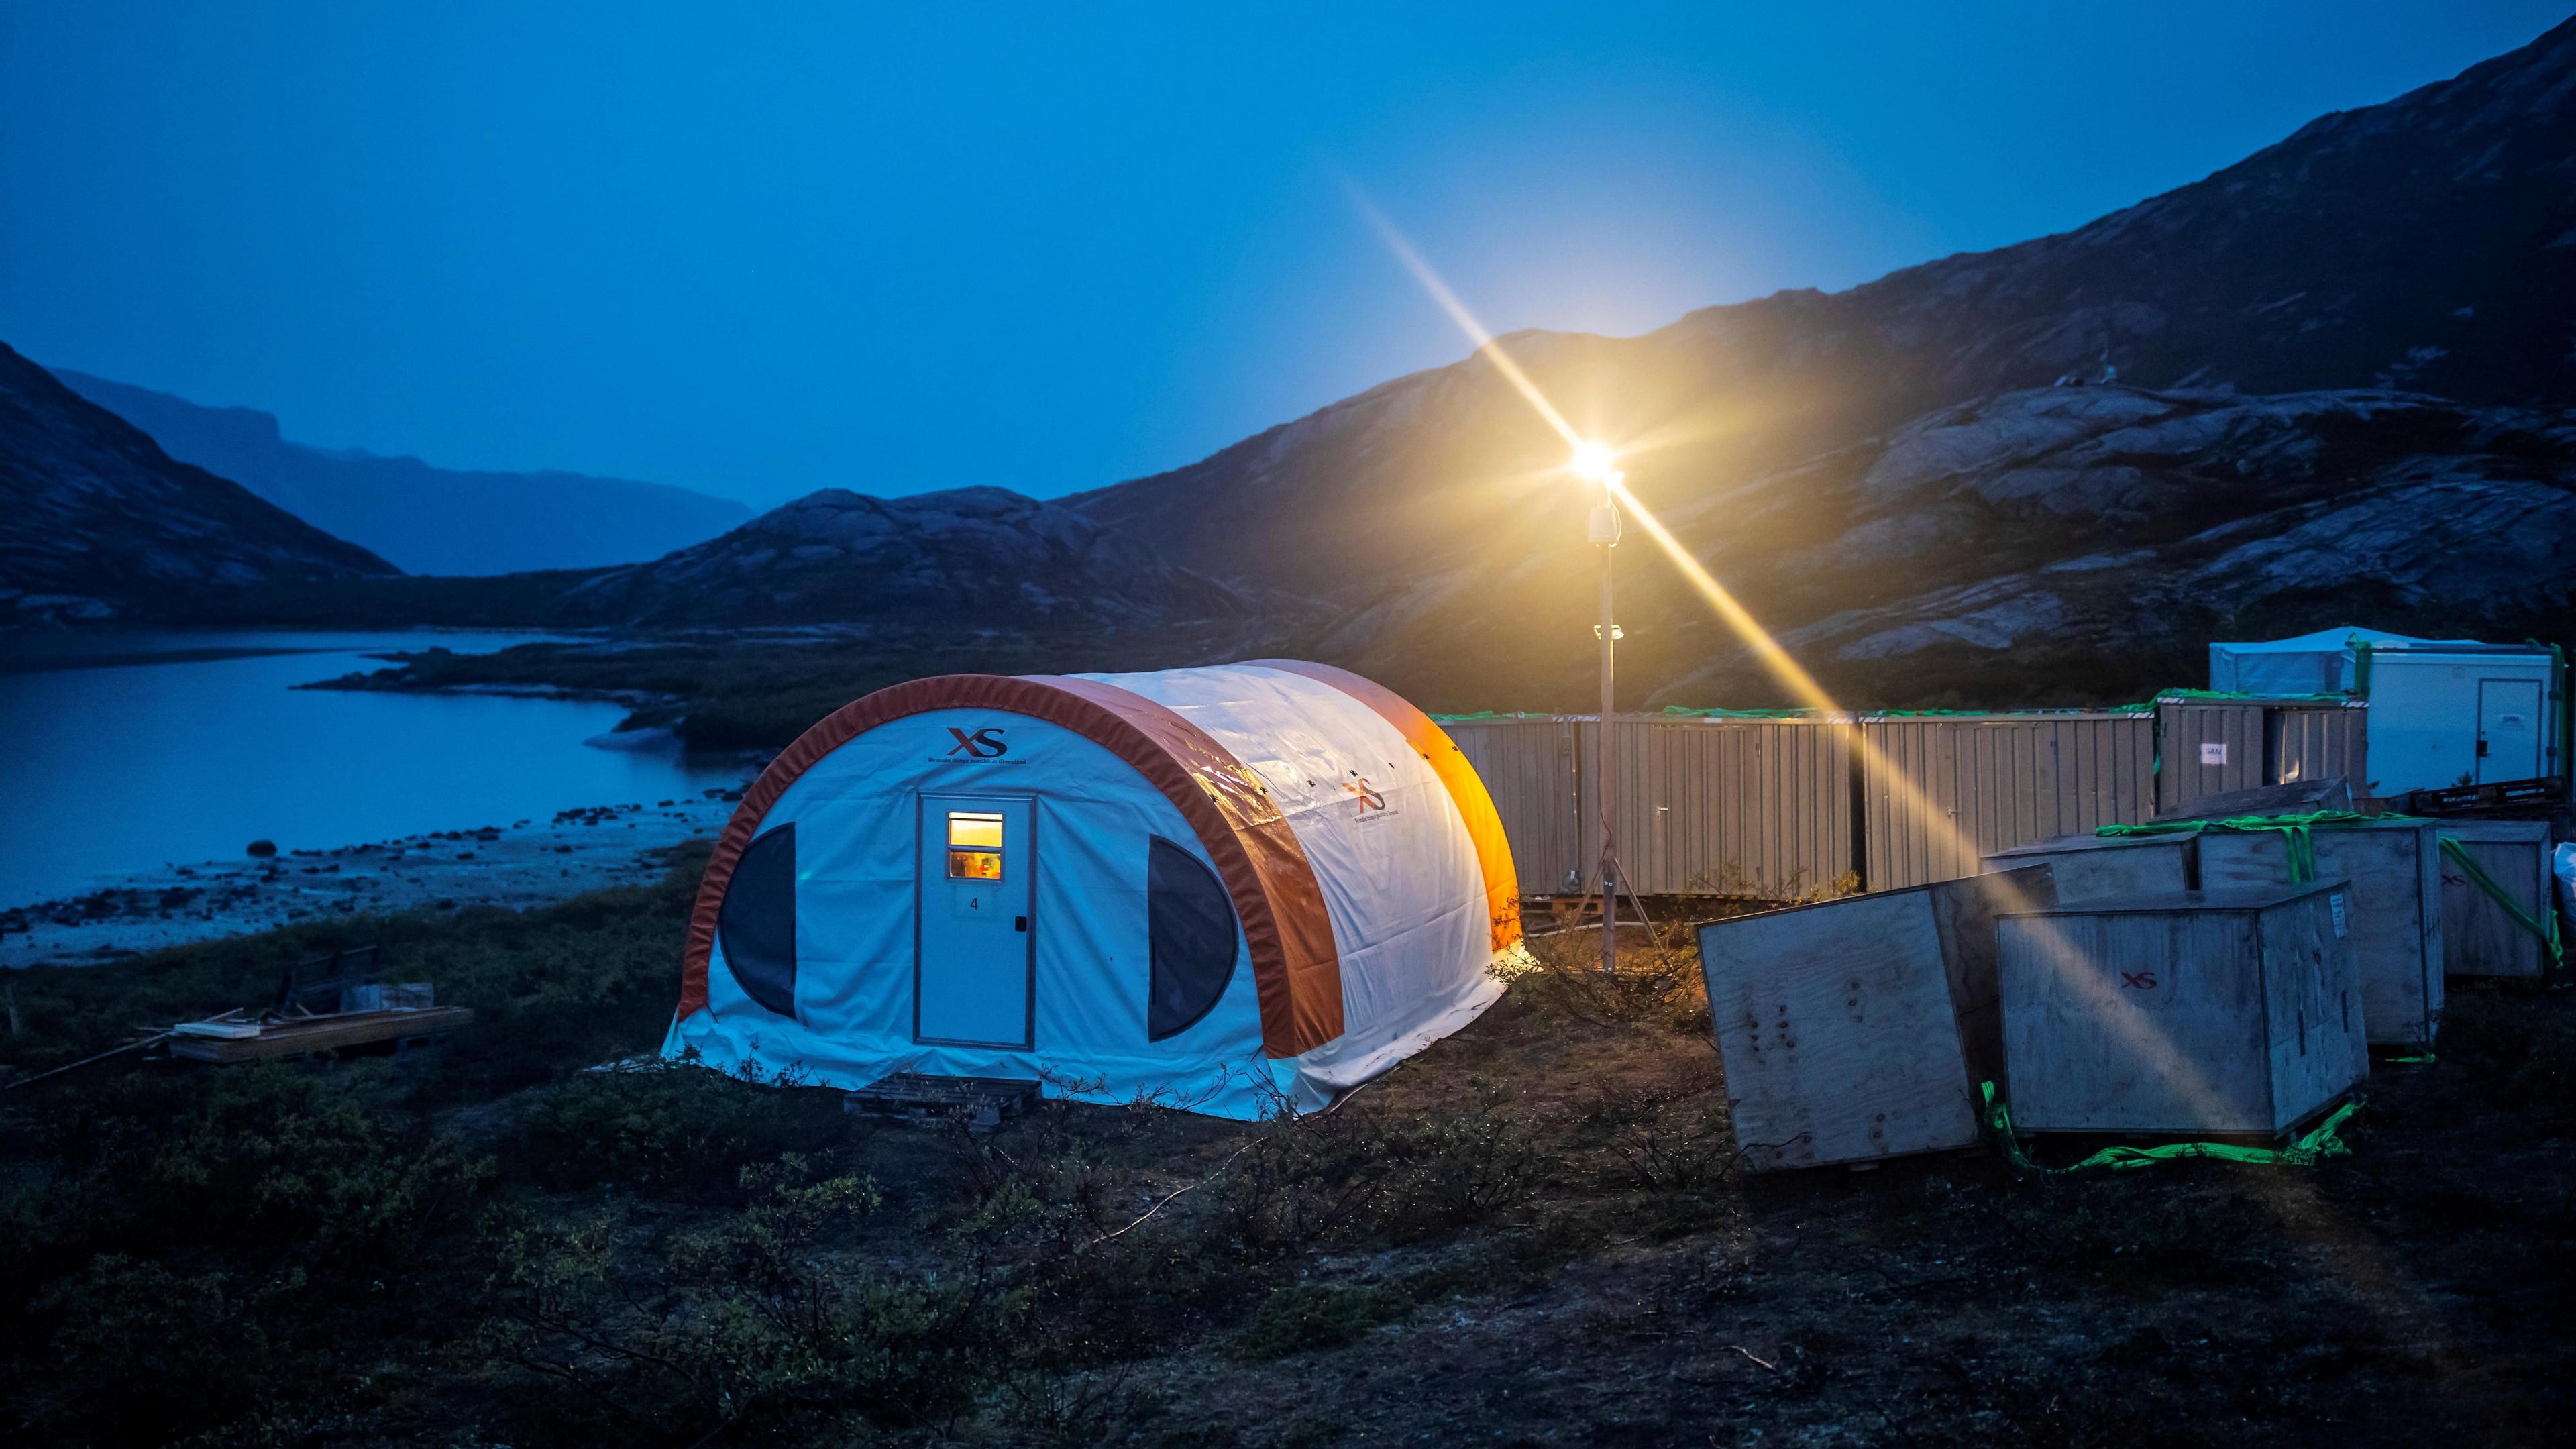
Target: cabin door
[2508,729]
[974,958]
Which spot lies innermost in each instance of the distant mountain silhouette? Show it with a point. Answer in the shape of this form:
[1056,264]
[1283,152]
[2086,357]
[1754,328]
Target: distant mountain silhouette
[963,558]
[427,519]
[2423,246]
[98,524]
[953,565]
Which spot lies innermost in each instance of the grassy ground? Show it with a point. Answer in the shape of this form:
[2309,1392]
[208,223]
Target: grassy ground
[1535,1233]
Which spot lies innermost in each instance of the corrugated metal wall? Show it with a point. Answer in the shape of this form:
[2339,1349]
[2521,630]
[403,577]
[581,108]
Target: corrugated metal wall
[1534,770]
[2264,743]
[1728,807]
[2209,749]
[1768,806]
[2317,744]
[1964,786]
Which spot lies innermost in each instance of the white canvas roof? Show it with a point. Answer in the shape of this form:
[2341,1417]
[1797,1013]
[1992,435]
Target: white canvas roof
[2318,663]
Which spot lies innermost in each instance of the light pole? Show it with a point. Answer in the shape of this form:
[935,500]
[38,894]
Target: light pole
[1598,463]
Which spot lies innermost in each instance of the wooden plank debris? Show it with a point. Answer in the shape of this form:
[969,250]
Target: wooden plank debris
[321,1033]
[2292,797]
[911,1096]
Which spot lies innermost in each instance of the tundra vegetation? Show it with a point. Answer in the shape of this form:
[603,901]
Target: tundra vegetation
[1536,1232]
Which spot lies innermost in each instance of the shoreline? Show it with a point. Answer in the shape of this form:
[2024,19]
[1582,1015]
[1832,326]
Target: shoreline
[517,865]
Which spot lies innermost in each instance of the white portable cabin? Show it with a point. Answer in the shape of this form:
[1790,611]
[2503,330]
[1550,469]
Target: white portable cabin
[2443,712]
[2444,715]
[1226,889]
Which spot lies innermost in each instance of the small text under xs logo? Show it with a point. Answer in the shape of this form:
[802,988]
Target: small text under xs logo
[983,744]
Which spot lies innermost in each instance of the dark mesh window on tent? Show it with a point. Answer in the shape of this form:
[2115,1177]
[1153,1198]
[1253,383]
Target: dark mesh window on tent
[758,921]
[1192,929]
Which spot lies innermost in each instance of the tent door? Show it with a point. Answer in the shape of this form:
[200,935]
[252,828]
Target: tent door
[974,946]
[2508,729]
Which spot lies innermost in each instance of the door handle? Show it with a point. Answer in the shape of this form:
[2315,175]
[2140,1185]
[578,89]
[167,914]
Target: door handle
[1019,923]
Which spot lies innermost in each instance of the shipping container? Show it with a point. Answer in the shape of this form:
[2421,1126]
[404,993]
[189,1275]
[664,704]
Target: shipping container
[2210,747]
[2331,742]
[1941,792]
[2209,1012]
[2395,870]
[1858,1028]
[1729,807]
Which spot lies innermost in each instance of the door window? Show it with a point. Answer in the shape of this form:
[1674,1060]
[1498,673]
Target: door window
[974,846]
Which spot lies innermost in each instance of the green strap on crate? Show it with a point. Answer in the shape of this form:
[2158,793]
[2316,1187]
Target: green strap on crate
[2295,832]
[2301,843]
[2548,934]
[2311,1148]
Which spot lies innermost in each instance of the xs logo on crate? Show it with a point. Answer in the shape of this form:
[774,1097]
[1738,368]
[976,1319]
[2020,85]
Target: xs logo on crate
[2137,981]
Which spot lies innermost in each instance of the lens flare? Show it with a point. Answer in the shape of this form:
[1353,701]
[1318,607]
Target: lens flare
[1876,769]
[2300,1207]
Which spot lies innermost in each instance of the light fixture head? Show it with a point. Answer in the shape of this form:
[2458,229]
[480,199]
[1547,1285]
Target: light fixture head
[1594,461]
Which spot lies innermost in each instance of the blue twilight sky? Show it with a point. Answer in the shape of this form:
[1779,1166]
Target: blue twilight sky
[764,249]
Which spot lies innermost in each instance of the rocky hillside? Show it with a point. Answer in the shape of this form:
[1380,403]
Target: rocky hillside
[2422,247]
[970,557]
[427,520]
[97,523]
[2046,546]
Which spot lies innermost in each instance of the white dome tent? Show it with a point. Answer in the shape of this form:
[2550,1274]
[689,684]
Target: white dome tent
[1217,888]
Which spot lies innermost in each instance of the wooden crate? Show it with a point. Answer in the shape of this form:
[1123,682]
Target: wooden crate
[1858,1028]
[2090,866]
[2479,936]
[2206,1012]
[2394,867]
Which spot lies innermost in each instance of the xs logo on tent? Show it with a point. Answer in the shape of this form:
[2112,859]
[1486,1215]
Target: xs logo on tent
[983,744]
[1369,799]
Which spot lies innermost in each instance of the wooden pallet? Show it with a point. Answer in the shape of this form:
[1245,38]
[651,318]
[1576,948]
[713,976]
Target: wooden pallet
[2532,797]
[983,1101]
[320,1034]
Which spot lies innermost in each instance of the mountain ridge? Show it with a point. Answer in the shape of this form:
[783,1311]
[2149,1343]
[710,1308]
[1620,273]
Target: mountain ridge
[103,525]
[423,517]
[2420,246]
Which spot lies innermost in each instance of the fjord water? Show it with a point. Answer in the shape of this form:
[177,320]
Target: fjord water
[128,752]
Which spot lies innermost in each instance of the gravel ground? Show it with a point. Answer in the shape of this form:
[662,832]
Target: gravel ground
[517,864]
